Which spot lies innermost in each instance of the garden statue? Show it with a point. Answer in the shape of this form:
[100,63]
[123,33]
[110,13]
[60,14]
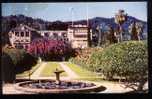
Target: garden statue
[120,18]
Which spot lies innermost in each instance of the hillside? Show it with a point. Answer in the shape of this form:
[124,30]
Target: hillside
[9,22]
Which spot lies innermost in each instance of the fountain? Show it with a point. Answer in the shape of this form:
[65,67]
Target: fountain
[57,86]
[57,74]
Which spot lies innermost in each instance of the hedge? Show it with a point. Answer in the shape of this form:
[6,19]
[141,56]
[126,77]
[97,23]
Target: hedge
[15,61]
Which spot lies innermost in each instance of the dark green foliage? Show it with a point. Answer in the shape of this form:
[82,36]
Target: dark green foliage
[8,68]
[83,57]
[15,61]
[127,59]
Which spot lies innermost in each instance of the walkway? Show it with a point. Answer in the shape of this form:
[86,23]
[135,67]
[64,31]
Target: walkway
[70,73]
[111,86]
[36,74]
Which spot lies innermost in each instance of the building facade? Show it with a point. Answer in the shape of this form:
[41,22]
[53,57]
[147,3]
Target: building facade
[49,33]
[76,35]
[20,37]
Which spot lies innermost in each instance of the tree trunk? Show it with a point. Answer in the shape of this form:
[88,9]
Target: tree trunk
[141,85]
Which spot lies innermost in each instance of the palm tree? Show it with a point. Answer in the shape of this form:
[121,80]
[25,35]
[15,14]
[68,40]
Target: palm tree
[120,18]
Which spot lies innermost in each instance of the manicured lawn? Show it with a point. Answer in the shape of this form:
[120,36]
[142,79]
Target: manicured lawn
[83,73]
[26,73]
[49,69]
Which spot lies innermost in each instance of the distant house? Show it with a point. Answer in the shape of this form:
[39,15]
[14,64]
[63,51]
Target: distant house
[78,36]
[21,36]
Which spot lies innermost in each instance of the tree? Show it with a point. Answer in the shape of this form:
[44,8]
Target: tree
[15,61]
[120,18]
[127,60]
[136,30]
[112,37]
[49,49]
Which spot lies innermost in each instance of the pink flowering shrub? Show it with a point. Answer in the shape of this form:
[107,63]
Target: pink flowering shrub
[50,49]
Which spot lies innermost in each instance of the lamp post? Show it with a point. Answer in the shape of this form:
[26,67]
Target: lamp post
[71,10]
[88,27]
[120,18]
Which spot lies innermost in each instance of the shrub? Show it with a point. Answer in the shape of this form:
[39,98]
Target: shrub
[15,61]
[8,68]
[50,49]
[127,59]
[82,57]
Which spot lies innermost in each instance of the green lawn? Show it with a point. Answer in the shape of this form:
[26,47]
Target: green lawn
[49,69]
[26,73]
[83,73]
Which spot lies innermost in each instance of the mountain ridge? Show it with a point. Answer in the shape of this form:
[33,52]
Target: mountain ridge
[11,21]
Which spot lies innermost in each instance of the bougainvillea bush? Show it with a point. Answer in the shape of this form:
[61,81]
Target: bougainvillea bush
[49,49]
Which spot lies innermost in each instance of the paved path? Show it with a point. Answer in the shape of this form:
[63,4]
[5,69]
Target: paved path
[111,87]
[70,73]
[36,74]
[10,89]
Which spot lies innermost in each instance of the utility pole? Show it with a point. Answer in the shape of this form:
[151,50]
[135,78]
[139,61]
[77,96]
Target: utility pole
[88,27]
[26,10]
[71,9]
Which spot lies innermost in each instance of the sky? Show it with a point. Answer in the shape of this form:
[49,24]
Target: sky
[75,11]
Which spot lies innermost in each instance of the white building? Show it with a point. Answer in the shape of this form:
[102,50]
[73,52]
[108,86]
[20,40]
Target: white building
[20,37]
[78,36]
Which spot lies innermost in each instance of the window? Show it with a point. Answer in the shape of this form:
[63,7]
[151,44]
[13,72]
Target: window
[27,34]
[55,34]
[16,33]
[46,34]
[26,40]
[17,41]
[22,34]
[64,34]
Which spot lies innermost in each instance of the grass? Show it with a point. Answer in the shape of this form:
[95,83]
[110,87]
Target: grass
[83,73]
[29,72]
[87,75]
[49,69]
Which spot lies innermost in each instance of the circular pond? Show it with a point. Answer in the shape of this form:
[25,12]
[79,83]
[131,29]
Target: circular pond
[50,86]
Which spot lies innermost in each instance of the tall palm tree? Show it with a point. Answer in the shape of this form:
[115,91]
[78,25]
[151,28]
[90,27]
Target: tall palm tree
[120,18]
